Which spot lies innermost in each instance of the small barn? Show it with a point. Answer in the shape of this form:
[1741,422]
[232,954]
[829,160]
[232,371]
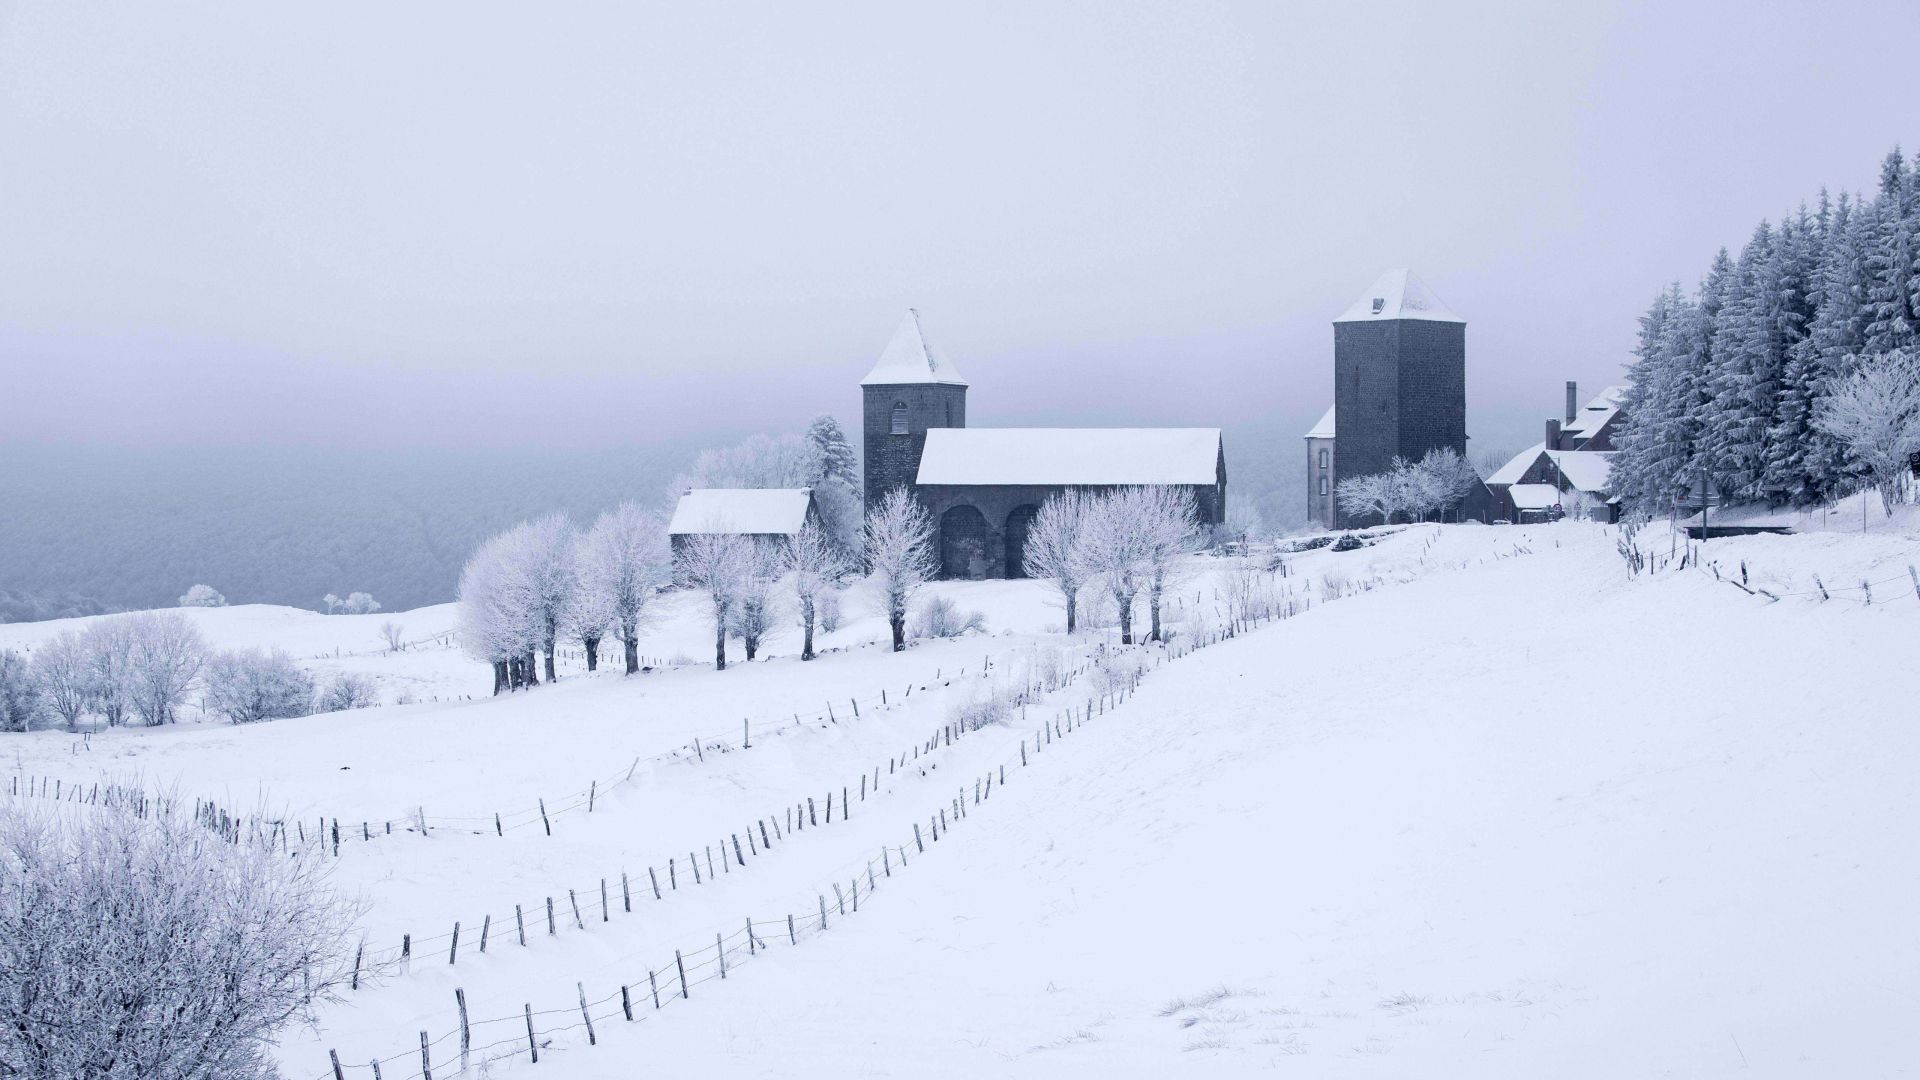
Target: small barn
[768,515]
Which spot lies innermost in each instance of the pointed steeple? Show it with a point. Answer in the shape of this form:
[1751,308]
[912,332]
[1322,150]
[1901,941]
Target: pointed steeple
[1399,294]
[908,360]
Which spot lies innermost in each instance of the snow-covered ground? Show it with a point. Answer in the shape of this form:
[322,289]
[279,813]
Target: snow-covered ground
[1486,807]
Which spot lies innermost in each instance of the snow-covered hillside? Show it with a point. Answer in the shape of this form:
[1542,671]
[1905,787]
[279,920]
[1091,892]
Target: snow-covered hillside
[1484,806]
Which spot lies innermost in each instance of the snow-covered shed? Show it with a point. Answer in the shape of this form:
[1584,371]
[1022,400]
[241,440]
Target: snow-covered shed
[1576,480]
[769,514]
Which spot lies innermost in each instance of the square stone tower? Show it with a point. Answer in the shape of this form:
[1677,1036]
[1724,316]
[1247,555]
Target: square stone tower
[911,390]
[1400,378]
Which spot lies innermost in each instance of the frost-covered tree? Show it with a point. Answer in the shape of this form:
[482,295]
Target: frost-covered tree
[756,607]
[1360,496]
[359,604]
[249,685]
[1169,529]
[833,472]
[1114,544]
[1875,414]
[497,623]
[333,603]
[203,596]
[831,455]
[347,692]
[166,659]
[761,461]
[899,556]
[108,645]
[394,636]
[63,678]
[19,697]
[1054,550]
[812,564]
[623,560]
[545,563]
[718,564]
[1445,479]
[145,948]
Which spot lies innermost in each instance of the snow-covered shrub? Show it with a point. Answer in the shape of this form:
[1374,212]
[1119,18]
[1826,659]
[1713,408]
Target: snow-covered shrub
[394,635]
[248,685]
[827,608]
[347,692]
[19,697]
[1348,542]
[203,596]
[143,947]
[986,702]
[359,604]
[165,659]
[940,617]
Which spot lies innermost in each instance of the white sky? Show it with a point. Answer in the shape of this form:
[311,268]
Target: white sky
[570,224]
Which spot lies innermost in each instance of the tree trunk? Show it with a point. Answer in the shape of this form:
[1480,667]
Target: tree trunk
[1153,606]
[592,645]
[1126,620]
[752,645]
[531,669]
[499,677]
[551,677]
[720,642]
[631,646]
[899,623]
[1070,620]
[806,629]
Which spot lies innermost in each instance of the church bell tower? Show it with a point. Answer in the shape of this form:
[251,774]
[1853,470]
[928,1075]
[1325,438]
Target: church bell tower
[911,390]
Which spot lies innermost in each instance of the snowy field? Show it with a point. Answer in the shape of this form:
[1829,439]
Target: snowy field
[1484,807]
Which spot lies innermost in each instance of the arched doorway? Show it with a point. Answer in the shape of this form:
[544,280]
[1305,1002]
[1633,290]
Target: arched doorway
[963,543]
[1018,522]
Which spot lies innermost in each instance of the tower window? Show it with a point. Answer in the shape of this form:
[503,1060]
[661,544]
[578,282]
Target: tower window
[899,418]
[1379,303]
[1323,485]
[1325,457]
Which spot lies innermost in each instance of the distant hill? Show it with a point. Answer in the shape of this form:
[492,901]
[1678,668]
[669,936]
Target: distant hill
[90,530]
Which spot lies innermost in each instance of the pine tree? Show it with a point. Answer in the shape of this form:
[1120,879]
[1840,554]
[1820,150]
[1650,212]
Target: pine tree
[830,455]
[1890,261]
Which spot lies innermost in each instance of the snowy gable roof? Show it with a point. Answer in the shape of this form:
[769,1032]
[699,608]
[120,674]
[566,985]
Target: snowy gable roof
[1586,470]
[741,511]
[1323,429]
[1517,466]
[1399,294]
[1597,412]
[908,359]
[1071,456]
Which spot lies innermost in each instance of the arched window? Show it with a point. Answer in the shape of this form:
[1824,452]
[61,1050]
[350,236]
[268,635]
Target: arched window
[1323,483]
[1326,456]
[899,418]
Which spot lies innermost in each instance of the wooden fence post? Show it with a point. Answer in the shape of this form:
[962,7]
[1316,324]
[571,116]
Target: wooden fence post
[532,1046]
[682,966]
[584,1015]
[521,922]
[653,986]
[453,949]
[486,924]
[334,1056]
[466,1033]
[426,1063]
[544,820]
[626,1003]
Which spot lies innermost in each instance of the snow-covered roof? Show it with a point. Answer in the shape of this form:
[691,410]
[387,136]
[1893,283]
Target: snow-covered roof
[1586,470]
[1597,412]
[744,511]
[1517,466]
[1078,456]
[1323,429]
[1399,294]
[1533,496]
[908,359]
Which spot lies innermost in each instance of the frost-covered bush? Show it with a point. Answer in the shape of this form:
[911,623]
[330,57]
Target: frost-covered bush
[203,596]
[19,698]
[353,604]
[348,692]
[985,703]
[145,948]
[940,617]
[248,685]
[827,609]
[1348,542]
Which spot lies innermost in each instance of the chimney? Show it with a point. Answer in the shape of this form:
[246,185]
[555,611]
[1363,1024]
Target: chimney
[1573,401]
[1553,434]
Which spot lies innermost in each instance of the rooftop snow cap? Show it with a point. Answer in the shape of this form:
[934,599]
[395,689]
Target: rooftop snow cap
[1323,429]
[908,359]
[1399,294]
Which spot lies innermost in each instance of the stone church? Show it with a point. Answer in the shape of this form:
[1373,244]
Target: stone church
[983,486]
[1399,390]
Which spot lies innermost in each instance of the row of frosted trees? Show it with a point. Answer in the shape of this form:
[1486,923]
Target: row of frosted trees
[1785,377]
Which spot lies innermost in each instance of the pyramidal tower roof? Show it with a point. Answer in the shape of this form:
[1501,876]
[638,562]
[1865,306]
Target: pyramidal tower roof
[1399,294]
[908,359]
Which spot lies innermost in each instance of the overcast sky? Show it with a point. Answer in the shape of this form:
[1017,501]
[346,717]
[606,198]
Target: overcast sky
[572,224]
